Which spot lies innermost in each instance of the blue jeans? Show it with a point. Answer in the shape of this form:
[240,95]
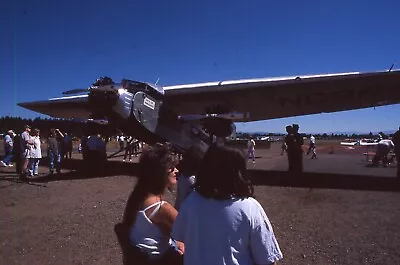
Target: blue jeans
[55,161]
[33,166]
[251,153]
[8,156]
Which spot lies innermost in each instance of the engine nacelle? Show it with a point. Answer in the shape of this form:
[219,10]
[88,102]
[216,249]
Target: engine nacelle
[137,109]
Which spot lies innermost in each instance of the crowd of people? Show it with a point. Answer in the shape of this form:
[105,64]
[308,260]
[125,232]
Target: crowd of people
[25,149]
[294,141]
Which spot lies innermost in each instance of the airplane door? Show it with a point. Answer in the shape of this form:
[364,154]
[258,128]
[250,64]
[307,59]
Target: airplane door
[146,110]
[150,113]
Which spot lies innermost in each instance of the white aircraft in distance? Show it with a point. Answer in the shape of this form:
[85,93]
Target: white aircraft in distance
[188,116]
[361,142]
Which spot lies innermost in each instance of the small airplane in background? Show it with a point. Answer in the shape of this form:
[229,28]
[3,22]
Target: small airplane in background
[190,116]
[360,142]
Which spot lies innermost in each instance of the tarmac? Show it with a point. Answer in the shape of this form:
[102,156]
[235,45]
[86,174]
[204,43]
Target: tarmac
[339,211]
[343,164]
[335,167]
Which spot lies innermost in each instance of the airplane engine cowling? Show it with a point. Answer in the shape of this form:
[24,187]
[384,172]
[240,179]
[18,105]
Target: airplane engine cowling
[102,101]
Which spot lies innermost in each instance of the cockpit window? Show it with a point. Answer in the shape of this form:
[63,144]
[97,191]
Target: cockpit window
[160,89]
[134,86]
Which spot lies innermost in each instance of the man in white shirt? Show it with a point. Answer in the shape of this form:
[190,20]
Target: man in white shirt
[26,143]
[121,140]
[251,149]
[312,148]
[382,150]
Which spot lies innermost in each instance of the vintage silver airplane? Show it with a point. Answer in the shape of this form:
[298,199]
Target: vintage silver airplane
[188,115]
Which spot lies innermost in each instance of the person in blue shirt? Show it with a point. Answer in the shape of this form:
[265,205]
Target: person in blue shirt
[220,222]
[8,149]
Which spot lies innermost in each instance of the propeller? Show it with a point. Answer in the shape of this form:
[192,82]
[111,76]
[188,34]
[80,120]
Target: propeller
[103,83]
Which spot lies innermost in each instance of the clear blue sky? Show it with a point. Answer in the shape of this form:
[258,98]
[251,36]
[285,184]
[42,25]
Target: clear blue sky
[50,46]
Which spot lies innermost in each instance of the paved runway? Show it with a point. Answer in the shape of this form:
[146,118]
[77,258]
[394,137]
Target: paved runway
[347,164]
[342,161]
[339,211]
[341,169]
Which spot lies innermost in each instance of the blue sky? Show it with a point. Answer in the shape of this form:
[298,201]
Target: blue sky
[50,46]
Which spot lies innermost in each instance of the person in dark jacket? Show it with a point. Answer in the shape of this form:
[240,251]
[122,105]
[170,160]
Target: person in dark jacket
[298,149]
[18,154]
[294,142]
[53,152]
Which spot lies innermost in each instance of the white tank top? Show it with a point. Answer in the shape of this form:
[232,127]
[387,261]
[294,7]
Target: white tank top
[146,235]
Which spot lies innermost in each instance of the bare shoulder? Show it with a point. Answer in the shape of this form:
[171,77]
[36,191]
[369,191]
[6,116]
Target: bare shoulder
[165,217]
[167,213]
[168,210]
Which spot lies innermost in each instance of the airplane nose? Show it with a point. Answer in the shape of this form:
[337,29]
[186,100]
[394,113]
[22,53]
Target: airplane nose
[103,98]
[102,102]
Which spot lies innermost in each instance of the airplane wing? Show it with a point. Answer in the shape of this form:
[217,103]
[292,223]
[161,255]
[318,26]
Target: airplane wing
[348,143]
[360,143]
[270,98]
[368,144]
[68,107]
[258,99]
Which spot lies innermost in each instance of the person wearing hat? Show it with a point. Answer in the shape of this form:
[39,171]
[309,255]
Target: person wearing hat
[8,149]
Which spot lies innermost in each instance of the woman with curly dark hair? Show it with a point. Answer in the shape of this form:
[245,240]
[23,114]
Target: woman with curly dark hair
[221,222]
[147,215]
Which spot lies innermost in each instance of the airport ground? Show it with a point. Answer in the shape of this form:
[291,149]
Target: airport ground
[340,211]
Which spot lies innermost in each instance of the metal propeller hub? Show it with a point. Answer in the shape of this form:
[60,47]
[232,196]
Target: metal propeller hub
[103,98]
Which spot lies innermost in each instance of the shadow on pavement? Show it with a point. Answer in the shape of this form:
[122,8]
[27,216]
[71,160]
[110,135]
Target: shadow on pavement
[74,169]
[324,181]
